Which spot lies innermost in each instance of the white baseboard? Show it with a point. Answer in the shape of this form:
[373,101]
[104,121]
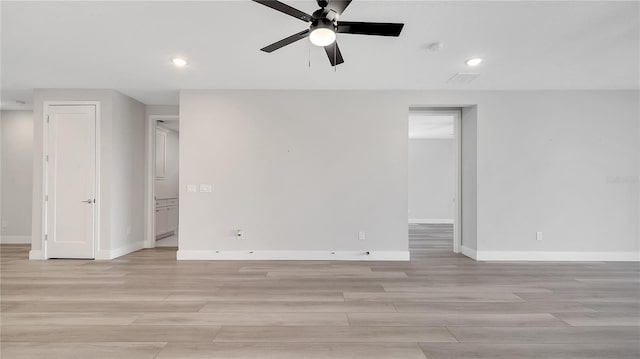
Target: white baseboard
[469,252]
[557,256]
[429,221]
[294,255]
[35,254]
[115,253]
[15,239]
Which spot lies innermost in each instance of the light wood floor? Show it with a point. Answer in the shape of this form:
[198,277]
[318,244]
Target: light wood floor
[438,305]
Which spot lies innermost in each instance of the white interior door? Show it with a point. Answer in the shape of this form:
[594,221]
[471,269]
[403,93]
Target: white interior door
[71,181]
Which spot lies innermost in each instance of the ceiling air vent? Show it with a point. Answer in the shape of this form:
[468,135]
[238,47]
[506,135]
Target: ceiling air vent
[462,78]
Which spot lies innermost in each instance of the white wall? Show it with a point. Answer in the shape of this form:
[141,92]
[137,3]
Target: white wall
[561,162]
[17,168]
[290,177]
[469,170]
[121,150]
[431,180]
[167,187]
[547,161]
[161,110]
[128,163]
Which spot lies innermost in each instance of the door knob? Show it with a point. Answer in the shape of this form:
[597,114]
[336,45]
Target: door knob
[88,201]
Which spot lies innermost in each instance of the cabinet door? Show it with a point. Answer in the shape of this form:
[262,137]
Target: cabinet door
[172,218]
[161,154]
[161,221]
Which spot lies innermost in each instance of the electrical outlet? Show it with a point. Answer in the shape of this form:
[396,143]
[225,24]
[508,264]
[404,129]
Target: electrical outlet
[206,188]
[361,236]
[538,236]
[191,188]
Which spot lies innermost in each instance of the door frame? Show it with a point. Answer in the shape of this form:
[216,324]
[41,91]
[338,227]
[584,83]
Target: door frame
[150,178]
[45,172]
[457,168]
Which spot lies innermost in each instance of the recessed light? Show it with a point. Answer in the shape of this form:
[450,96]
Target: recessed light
[474,62]
[180,62]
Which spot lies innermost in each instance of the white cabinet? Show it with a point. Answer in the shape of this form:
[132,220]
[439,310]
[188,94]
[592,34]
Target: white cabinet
[166,216]
[172,218]
[162,220]
[161,153]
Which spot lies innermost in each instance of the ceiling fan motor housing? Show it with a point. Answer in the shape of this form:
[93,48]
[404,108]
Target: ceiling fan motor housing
[323,23]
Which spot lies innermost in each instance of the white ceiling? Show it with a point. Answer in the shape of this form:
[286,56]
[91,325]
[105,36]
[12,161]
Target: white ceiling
[128,45]
[428,126]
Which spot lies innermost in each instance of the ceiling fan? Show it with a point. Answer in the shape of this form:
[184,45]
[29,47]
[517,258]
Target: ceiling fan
[325,25]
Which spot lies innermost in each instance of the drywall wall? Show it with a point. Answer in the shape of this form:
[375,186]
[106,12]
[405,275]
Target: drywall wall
[469,171]
[431,180]
[561,162]
[550,162]
[161,110]
[298,183]
[167,187]
[17,168]
[127,168]
[117,136]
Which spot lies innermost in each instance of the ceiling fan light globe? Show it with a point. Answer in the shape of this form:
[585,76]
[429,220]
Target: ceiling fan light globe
[322,37]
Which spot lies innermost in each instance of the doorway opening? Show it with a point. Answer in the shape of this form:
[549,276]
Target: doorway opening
[164,169]
[434,181]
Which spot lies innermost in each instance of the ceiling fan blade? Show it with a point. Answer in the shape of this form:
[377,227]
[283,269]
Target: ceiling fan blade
[286,41]
[339,5]
[334,54]
[370,28]
[286,9]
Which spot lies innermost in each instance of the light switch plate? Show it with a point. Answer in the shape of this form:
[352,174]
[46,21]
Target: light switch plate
[361,236]
[206,188]
[192,188]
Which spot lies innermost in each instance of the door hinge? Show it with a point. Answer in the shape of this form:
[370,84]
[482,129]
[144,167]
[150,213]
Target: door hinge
[46,198]
[46,158]
[46,237]
[47,118]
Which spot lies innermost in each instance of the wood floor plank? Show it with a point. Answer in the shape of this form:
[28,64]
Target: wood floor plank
[547,335]
[454,319]
[531,351]
[256,297]
[493,307]
[112,306]
[98,318]
[601,319]
[431,297]
[335,334]
[297,307]
[244,319]
[148,350]
[107,333]
[291,351]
